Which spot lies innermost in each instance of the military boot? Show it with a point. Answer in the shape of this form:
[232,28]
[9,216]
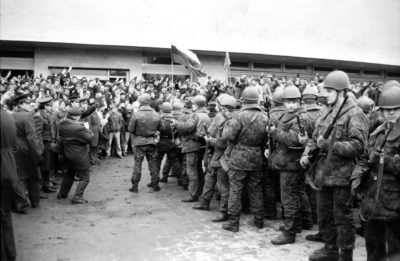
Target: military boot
[315,238]
[233,224]
[325,254]
[164,179]
[283,239]
[134,188]
[258,223]
[346,255]
[223,217]
[202,205]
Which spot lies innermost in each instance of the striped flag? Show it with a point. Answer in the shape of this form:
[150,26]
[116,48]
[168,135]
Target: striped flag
[187,58]
[227,62]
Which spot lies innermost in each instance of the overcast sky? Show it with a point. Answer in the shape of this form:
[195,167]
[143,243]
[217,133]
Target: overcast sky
[354,30]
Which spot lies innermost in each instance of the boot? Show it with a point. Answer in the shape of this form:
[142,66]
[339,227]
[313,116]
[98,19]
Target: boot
[233,224]
[315,238]
[283,228]
[190,200]
[346,255]
[325,254]
[164,179]
[259,223]
[283,239]
[134,188]
[223,217]
[150,185]
[202,205]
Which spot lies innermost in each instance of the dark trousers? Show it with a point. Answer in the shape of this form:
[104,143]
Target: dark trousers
[151,154]
[195,173]
[251,180]
[8,251]
[292,197]
[210,181]
[68,180]
[172,162]
[27,190]
[382,239]
[335,219]
[223,188]
[270,192]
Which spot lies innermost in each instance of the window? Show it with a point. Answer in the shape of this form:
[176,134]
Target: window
[297,68]
[393,74]
[240,64]
[157,60]
[91,73]
[16,54]
[267,66]
[351,72]
[322,69]
[373,74]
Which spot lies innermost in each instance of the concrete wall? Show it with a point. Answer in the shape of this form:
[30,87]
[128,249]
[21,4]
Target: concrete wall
[87,58]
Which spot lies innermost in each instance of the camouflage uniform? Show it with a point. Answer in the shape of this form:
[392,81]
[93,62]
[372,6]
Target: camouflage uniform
[285,158]
[168,147]
[382,229]
[144,125]
[271,176]
[334,217]
[186,112]
[193,146]
[246,133]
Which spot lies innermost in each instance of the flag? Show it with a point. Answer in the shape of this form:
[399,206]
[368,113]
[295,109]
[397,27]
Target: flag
[187,58]
[227,62]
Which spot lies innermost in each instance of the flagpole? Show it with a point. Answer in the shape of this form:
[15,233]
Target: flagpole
[172,76]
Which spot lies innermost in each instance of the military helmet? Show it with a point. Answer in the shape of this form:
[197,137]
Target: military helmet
[221,97]
[228,101]
[277,96]
[166,107]
[199,100]
[390,98]
[310,93]
[365,103]
[177,106]
[291,92]
[250,94]
[145,98]
[337,80]
[389,84]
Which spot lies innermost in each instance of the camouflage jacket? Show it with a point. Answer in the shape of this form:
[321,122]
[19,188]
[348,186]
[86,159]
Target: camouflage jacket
[219,145]
[246,131]
[349,143]
[313,113]
[387,206]
[143,125]
[191,141]
[276,113]
[287,149]
[167,135]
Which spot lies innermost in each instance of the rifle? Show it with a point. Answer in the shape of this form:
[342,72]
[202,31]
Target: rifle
[268,109]
[222,112]
[315,154]
[381,152]
[301,128]
[206,131]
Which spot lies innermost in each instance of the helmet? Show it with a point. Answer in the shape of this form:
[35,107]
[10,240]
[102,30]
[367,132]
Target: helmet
[200,100]
[310,93]
[337,80]
[291,92]
[166,107]
[365,104]
[390,98]
[188,103]
[177,106]
[221,97]
[250,94]
[389,84]
[228,101]
[144,98]
[277,96]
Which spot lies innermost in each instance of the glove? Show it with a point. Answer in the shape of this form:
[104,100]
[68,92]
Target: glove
[322,143]
[305,161]
[374,157]
[273,129]
[303,139]
[355,183]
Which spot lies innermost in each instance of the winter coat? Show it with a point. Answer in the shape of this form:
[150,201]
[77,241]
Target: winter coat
[95,126]
[143,125]
[219,145]
[75,139]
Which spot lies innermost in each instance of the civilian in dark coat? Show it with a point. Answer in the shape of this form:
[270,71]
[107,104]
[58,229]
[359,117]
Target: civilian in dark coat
[8,182]
[75,140]
[28,154]
[95,126]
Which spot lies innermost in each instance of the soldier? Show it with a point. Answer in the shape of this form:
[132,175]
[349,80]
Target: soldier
[378,173]
[193,144]
[184,116]
[167,145]
[271,176]
[145,126]
[337,153]
[246,132]
[285,158]
[75,139]
[46,131]
[215,131]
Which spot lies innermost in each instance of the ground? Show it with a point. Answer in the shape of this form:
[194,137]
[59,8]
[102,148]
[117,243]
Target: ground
[119,225]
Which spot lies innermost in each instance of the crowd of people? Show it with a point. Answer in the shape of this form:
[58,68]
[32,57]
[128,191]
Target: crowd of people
[318,148]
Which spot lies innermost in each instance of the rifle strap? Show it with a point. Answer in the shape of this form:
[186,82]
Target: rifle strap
[331,143]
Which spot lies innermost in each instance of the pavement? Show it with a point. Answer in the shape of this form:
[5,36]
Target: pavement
[119,225]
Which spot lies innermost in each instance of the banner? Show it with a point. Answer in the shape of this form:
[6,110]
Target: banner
[187,58]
